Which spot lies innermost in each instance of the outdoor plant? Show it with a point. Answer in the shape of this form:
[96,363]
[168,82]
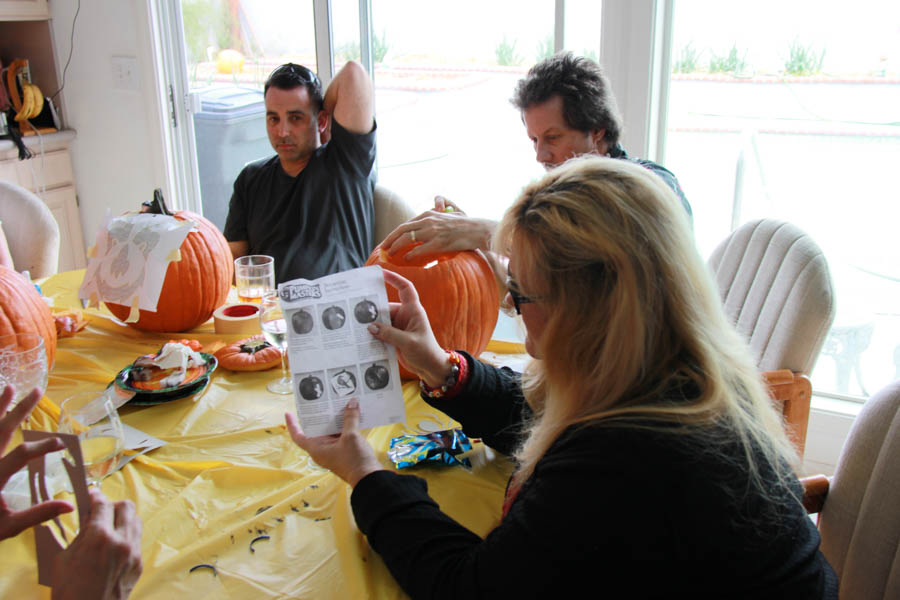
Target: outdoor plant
[348,51]
[727,64]
[380,47]
[206,23]
[802,60]
[505,53]
[545,48]
[688,60]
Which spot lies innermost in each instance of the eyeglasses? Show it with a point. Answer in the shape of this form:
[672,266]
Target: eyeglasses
[300,71]
[517,297]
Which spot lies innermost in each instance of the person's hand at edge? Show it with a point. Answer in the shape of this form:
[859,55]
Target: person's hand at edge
[14,522]
[103,562]
[348,455]
[410,333]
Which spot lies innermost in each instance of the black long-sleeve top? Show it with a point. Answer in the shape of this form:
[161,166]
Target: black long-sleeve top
[621,512]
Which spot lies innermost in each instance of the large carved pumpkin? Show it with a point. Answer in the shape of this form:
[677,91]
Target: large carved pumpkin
[22,310]
[195,285]
[457,290]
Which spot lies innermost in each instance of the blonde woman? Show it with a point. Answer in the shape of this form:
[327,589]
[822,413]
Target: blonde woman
[649,460]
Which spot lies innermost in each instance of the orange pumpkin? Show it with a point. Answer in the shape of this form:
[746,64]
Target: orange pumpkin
[252,354]
[194,286]
[22,310]
[457,290]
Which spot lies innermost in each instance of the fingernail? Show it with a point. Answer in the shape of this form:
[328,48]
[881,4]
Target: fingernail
[374,328]
[353,403]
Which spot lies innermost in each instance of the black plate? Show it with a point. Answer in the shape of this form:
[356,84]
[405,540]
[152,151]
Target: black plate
[123,377]
[153,398]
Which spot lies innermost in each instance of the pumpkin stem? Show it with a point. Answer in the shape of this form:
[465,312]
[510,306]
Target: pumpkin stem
[254,346]
[157,206]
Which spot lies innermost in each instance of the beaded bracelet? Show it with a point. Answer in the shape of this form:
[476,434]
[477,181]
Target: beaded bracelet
[457,368]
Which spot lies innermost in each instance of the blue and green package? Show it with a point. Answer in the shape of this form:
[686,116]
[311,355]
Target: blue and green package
[441,446]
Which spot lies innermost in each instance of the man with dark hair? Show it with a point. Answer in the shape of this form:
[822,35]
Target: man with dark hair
[568,109]
[310,205]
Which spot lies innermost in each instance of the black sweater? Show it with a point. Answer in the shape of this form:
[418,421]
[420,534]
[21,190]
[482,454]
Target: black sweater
[619,512]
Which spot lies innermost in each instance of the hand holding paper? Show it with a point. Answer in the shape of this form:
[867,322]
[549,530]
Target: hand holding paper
[14,522]
[348,455]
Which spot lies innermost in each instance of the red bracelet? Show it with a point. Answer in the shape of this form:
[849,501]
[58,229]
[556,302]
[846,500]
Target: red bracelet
[453,384]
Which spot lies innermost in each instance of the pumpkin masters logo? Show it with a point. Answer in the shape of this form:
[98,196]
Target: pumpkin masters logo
[300,291]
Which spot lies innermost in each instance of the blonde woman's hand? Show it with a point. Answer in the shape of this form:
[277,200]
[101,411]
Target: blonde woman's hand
[411,334]
[348,455]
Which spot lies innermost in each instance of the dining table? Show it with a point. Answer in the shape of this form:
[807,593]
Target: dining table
[231,507]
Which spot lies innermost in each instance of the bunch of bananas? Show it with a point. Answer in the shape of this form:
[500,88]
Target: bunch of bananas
[32,102]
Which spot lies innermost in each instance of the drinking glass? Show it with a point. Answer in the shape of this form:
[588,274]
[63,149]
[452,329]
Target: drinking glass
[254,275]
[271,321]
[23,363]
[93,418]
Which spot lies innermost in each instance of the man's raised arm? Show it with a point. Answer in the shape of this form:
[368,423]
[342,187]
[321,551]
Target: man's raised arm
[350,99]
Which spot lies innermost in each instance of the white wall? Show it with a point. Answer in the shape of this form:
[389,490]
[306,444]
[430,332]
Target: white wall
[117,153]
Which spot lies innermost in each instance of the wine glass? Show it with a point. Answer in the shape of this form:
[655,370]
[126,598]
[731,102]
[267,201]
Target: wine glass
[271,321]
[93,418]
[23,363]
[254,275]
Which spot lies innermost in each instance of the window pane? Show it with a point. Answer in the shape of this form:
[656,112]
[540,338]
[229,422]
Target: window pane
[443,79]
[582,27]
[256,36]
[809,102]
[345,37]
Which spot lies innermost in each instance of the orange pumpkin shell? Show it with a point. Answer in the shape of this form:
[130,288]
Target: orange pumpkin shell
[22,310]
[459,294]
[194,286]
[251,354]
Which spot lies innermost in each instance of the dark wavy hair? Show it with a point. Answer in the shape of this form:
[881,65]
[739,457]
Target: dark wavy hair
[289,76]
[588,101]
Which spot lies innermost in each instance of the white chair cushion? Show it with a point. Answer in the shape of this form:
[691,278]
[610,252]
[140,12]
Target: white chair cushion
[777,292]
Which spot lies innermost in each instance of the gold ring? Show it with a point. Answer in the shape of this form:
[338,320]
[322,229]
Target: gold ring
[412,234]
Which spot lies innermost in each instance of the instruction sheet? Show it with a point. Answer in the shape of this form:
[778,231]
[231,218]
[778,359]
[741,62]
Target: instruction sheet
[333,356]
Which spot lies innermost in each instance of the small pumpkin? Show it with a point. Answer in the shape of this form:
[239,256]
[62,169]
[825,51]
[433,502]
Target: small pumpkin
[251,354]
[458,291]
[195,285]
[22,310]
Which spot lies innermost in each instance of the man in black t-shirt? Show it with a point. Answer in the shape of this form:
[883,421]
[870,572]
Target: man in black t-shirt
[310,205]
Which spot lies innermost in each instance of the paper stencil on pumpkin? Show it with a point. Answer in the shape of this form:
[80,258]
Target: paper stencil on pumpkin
[130,260]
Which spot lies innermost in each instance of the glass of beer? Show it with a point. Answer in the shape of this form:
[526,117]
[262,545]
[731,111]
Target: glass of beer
[254,275]
[93,418]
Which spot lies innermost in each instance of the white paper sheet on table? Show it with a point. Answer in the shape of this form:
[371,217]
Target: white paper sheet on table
[129,261]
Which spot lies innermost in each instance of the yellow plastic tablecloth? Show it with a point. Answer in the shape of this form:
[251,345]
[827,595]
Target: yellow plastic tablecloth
[230,473]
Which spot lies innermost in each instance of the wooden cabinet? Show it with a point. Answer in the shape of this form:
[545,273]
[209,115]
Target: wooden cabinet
[23,10]
[49,176]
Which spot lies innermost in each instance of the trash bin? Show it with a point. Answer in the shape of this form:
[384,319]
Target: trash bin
[230,131]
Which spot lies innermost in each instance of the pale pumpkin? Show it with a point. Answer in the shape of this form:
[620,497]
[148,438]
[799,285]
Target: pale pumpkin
[458,291]
[22,310]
